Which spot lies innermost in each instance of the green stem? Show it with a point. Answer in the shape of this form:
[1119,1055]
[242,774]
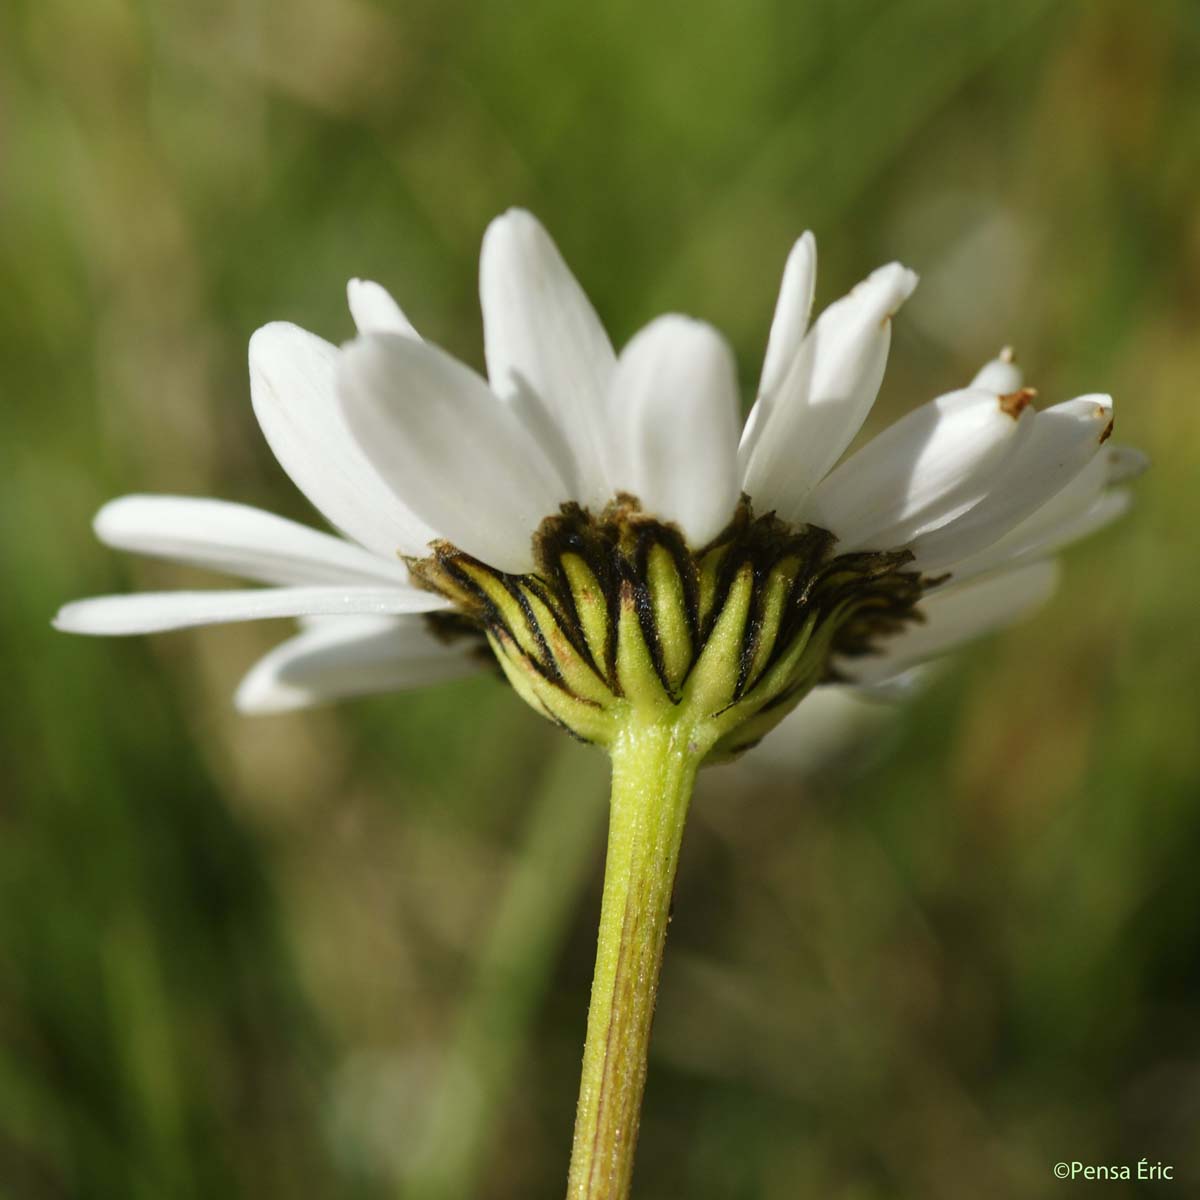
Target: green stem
[654,770]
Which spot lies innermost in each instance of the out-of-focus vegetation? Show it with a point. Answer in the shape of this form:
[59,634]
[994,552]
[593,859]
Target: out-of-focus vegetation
[346,953]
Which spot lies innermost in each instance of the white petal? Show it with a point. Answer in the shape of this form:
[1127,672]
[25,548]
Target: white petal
[1048,530]
[1062,442]
[788,327]
[350,656]
[153,612]
[956,615]
[897,688]
[825,396]
[547,352]
[826,724]
[238,540]
[1001,375]
[374,310]
[292,386]
[462,461]
[674,410]
[1112,464]
[1123,462]
[927,468]
[1102,511]
[792,310]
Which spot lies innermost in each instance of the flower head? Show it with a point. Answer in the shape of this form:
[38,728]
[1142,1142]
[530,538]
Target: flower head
[597,519]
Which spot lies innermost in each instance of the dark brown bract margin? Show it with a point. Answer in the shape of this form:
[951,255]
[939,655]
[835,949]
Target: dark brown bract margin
[760,587]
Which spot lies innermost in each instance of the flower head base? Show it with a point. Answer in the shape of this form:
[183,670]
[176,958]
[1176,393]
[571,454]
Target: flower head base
[621,620]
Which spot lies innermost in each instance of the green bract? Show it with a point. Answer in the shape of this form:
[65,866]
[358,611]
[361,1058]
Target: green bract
[622,623]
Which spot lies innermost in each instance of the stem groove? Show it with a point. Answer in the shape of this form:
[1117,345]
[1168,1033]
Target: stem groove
[654,771]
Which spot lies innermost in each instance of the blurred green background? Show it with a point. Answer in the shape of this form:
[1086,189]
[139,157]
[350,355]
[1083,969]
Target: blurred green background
[346,953]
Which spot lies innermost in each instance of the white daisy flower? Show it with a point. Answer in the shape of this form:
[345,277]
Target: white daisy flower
[643,576]
[598,520]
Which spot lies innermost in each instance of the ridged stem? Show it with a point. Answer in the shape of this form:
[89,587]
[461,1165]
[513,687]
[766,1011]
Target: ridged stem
[654,770]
